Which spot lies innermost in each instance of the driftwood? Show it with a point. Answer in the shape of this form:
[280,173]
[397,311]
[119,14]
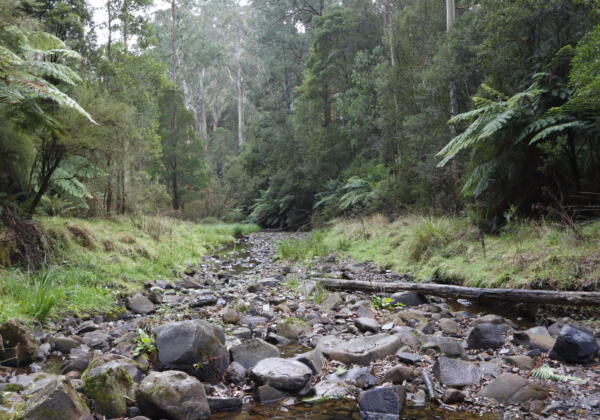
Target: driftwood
[471,293]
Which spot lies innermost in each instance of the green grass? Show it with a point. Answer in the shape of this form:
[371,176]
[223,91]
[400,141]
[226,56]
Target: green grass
[448,250]
[97,261]
[316,244]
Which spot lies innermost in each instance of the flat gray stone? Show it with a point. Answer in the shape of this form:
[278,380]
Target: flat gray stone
[283,374]
[367,325]
[361,350]
[453,372]
[513,389]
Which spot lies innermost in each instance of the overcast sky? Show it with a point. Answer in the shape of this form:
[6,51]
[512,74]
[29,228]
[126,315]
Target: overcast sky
[99,15]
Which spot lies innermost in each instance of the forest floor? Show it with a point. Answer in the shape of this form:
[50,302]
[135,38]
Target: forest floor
[95,263]
[526,254]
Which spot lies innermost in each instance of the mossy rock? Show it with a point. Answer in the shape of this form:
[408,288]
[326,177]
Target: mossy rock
[293,328]
[109,385]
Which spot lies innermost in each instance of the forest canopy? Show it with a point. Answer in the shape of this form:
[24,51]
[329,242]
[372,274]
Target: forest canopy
[289,113]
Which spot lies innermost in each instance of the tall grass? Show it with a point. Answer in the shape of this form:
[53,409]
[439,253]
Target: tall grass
[316,244]
[84,279]
[32,293]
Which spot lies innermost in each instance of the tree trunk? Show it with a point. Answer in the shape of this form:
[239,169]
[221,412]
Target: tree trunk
[472,293]
[201,107]
[240,95]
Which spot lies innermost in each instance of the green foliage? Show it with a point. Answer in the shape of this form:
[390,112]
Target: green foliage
[547,373]
[301,249]
[386,303]
[144,344]
[42,296]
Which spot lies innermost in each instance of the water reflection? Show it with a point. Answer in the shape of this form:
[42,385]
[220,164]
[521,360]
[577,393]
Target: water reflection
[339,410]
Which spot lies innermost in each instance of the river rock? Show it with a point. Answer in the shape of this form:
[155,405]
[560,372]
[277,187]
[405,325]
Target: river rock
[486,336]
[398,374]
[65,344]
[19,346]
[332,302]
[408,299]
[361,350]
[97,339]
[314,359]
[533,341]
[513,389]
[140,304]
[407,357]
[367,325]
[447,346]
[449,326]
[575,346]
[220,405]
[384,403]
[249,353]
[522,362]
[456,373]
[235,373]
[196,347]
[266,394]
[110,385]
[230,315]
[293,328]
[56,400]
[363,309]
[453,396]
[283,374]
[173,395]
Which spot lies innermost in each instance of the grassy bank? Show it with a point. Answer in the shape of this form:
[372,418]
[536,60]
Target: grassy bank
[450,250]
[96,261]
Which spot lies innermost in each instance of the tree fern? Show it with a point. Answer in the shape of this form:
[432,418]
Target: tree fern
[23,69]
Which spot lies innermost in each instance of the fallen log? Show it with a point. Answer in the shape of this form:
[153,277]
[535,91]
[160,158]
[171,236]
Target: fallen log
[471,293]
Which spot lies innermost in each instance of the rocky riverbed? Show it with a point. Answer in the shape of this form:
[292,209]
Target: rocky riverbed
[243,337]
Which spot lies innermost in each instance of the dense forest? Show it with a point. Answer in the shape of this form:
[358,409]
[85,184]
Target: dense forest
[288,113]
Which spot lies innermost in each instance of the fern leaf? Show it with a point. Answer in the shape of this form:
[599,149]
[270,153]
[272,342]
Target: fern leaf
[557,129]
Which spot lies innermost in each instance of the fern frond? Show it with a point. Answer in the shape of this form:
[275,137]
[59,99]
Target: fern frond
[557,129]
[547,373]
[54,70]
[540,124]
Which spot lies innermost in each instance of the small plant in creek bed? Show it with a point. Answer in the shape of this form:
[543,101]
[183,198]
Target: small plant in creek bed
[42,295]
[144,344]
[319,294]
[385,303]
[547,373]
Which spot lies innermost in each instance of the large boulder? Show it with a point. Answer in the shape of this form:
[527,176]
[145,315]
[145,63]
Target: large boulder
[574,345]
[361,350]
[384,403]
[283,374]
[56,400]
[513,389]
[140,304]
[19,347]
[249,353]
[173,395]
[196,347]
[453,372]
[486,336]
[109,383]
[408,299]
